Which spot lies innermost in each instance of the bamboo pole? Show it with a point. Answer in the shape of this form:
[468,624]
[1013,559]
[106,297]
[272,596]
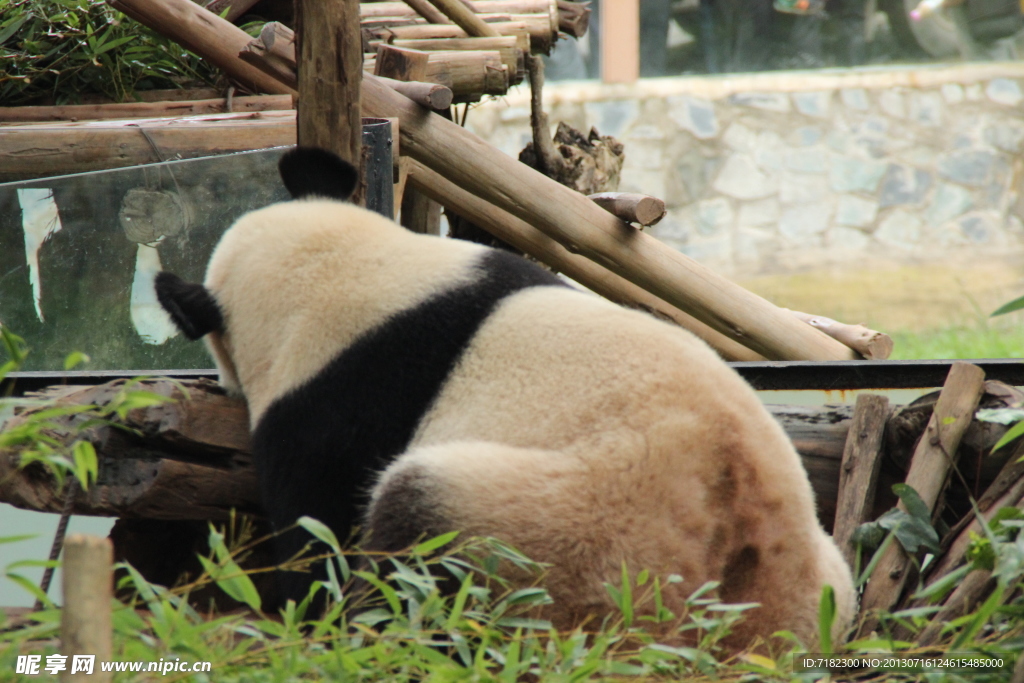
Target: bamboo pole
[583,227]
[528,239]
[86,626]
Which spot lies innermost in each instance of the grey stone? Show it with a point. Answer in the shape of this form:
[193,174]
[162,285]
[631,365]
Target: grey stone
[949,202]
[740,138]
[759,212]
[811,160]
[814,103]
[754,246]
[740,178]
[675,226]
[1006,135]
[980,228]
[797,188]
[953,93]
[969,166]
[1004,91]
[714,216]
[850,174]
[805,136]
[1015,227]
[643,154]
[802,224]
[838,141]
[644,181]
[847,239]
[874,125]
[769,101]
[694,114]
[646,131]
[855,98]
[692,170]
[612,117]
[714,252]
[900,229]
[903,185]
[891,102]
[855,211]
[926,108]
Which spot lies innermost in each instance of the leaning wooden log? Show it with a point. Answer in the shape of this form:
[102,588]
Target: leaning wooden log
[469,75]
[430,95]
[549,8]
[529,240]
[583,227]
[630,207]
[421,7]
[933,459]
[972,590]
[47,149]
[868,343]
[273,53]
[144,110]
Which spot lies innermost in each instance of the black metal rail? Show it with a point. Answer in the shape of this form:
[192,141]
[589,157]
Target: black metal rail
[766,375]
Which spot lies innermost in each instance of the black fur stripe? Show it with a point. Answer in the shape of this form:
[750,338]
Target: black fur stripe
[318,447]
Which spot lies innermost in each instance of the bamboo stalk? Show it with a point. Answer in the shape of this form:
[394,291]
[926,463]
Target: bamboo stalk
[528,239]
[86,624]
[583,227]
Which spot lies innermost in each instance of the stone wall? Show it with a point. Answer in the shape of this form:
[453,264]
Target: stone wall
[782,170]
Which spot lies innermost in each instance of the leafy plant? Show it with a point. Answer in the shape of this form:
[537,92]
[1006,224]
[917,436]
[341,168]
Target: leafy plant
[65,49]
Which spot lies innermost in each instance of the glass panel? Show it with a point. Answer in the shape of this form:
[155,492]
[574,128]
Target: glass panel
[78,254]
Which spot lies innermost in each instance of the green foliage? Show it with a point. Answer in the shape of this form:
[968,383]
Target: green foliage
[63,49]
[912,527]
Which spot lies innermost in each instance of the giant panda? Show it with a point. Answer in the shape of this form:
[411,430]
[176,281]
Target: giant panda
[411,385]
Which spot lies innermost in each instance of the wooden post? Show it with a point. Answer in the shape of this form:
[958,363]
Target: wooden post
[330,66]
[929,469]
[86,624]
[858,475]
[620,41]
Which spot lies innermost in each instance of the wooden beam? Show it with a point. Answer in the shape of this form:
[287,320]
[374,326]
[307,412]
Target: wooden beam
[465,18]
[330,68]
[528,239]
[400,63]
[620,41]
[632,208]
[583,227]
[143,110]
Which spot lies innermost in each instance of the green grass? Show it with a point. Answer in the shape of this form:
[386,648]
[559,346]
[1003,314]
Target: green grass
[1003,338]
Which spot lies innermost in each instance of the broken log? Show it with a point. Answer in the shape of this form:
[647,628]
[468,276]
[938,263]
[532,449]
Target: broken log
[573,18]
[513,50]
[630,207]
[469,75]
[529,240]
[858,476]
[145,110]
[868,343]
[400,63]
[932,462]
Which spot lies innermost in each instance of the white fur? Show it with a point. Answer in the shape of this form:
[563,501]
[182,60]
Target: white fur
[582,433]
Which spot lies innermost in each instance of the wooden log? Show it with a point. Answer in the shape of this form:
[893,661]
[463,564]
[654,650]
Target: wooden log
[400,64]
[86,620]
[868,343]
[202,443]
[631,207]
[541,40]
[204,33]
[512,49]
[593,276]
[573,18]
[431,95]
[329,53]
[858,476]
[421,7]
[933,459]
[420,213]
[583,227]
[144,110]
[273,53]
[465,18]
[47,149]
[469,75]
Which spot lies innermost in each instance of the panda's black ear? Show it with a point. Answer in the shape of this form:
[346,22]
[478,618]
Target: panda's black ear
[191,306]
[315,172]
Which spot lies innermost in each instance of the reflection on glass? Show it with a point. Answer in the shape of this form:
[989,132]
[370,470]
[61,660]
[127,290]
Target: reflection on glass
[728,36]
[78,254]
